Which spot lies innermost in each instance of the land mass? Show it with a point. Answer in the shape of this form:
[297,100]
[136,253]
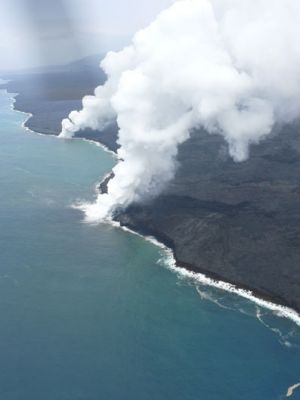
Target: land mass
[238,222]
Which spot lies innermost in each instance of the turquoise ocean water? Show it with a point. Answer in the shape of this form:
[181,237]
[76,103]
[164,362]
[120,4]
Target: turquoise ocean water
[90,312]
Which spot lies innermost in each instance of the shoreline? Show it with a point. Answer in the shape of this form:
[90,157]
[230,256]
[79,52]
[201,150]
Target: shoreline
[172,264]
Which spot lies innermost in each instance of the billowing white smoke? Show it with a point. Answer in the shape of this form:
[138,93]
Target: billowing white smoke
[230,66]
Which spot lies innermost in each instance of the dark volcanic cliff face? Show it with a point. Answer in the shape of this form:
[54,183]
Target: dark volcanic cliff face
[51,94]
[236,221]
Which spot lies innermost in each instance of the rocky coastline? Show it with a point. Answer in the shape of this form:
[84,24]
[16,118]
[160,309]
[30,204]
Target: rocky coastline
[239,223]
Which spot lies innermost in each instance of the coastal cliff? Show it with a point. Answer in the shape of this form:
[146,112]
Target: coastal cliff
[235,222]
[239,222]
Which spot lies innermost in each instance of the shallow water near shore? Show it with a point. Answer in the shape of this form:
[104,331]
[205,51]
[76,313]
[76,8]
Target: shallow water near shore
[89,312]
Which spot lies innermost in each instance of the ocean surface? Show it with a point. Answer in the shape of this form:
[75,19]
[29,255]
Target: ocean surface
[90,312]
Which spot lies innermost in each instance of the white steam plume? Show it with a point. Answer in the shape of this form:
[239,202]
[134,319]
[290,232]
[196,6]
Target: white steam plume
[230,66]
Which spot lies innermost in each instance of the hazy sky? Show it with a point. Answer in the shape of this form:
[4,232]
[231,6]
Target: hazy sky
[43,32]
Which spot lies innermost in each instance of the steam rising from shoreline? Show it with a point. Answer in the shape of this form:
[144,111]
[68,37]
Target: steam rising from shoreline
[230,66]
